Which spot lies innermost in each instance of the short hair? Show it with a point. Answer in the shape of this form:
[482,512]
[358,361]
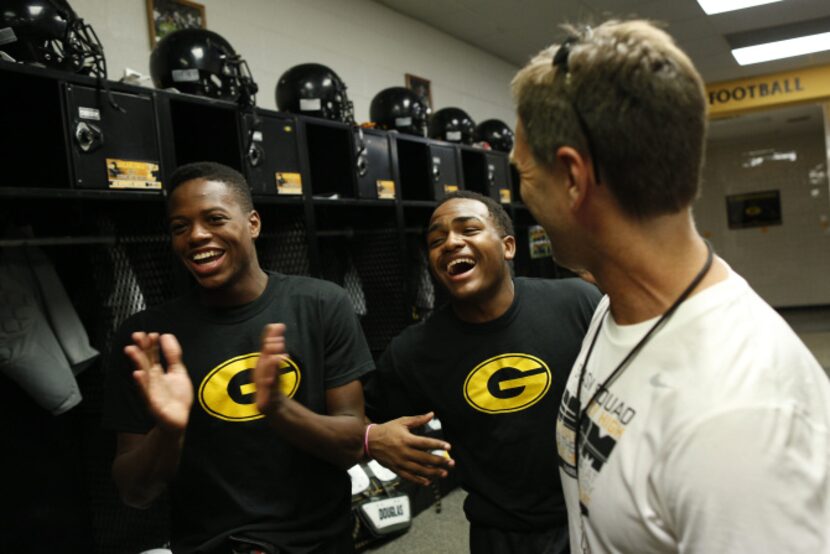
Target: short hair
[497,212]
[642,106]
[212,171]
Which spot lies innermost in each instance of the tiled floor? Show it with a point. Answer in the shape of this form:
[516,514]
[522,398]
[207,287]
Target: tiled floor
[434,533]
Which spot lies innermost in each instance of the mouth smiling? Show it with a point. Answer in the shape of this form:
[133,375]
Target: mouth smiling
[206,261]
[460,266]
[206,256]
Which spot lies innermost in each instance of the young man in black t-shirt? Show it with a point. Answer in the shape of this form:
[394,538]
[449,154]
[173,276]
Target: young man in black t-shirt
[252,423]
[492,365]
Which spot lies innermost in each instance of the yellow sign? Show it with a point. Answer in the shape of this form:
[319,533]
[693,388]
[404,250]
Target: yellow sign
[768,91]
[289,183]
[505,196]
[130,174]
[386,189]
[450,188]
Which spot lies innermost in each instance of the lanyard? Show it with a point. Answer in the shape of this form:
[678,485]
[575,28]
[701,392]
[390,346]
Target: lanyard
[621,367]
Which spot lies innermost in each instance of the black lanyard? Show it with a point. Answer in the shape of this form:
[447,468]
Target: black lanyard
[623,364]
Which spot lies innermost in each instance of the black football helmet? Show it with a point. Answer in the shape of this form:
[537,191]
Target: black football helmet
[314,89]
[452,125]
[496,133]
[198,61]
[49,33]
[400,109]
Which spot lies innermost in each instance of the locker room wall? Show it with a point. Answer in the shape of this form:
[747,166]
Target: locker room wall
[786,264]
[369,45]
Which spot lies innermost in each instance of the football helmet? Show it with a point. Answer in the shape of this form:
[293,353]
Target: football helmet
[198,61]
[314,89]
[400,109]
[49,33]
[496,133]
[452,125]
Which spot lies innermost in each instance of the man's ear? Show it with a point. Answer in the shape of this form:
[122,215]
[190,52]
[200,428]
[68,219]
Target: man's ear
[509,243]
[255,223]
[577,173]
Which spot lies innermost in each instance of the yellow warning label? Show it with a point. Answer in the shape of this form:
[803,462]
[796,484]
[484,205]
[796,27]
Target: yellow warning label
[386,189]
[130,174]
[289,183]
[505,196]
[450,188]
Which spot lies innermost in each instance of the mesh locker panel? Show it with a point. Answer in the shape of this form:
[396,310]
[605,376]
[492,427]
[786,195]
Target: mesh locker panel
[135,273]
[422,287]
[121,264]
[368,265]
[283,242]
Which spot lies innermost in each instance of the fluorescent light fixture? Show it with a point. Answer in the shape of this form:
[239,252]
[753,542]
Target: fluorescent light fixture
[719,6]
[782,49]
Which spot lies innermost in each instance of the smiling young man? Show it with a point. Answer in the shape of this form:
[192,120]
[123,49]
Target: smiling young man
[694,420]
[491,364]
[242,398]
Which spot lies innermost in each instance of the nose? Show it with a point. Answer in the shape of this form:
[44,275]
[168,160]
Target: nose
[453,241]
[199,232]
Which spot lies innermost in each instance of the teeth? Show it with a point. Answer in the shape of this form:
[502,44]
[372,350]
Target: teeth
[454,263]
[205,255]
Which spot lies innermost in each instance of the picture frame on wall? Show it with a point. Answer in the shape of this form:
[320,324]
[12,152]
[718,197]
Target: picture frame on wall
[419,86]
[166,16]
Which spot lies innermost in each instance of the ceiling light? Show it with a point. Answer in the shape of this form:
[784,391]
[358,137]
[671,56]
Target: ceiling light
[782,49]
[719,6]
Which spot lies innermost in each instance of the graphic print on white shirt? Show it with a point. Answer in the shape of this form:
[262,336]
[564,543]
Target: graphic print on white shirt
[602,427]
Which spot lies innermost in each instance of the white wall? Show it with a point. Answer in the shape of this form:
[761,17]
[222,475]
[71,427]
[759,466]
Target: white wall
[787,264]
[368,45]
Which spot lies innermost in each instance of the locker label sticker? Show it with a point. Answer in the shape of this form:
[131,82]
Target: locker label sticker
[185,75]
[309,104]
[386,189]
[289,183]
[89,113]
[131,174]
[540,246]
[505,196]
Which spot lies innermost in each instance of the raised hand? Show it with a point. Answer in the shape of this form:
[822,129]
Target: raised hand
[266,373]
[168,394]
[409,455]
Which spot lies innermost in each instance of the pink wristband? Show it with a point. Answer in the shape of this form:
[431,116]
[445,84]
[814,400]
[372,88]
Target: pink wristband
[366,441]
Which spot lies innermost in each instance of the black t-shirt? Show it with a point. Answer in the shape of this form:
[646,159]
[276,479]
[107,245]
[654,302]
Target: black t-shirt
[236,475]
[496,388]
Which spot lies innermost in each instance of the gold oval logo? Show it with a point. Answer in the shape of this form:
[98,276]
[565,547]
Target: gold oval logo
[228,393]
[507,383]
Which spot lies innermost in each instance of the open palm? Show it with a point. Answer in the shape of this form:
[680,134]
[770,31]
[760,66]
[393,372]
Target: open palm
[168,394]
[266,375]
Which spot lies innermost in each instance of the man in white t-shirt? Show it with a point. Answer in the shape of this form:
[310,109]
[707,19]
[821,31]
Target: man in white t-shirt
[694,419]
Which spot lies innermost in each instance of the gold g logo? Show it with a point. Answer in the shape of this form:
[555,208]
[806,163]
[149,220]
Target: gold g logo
[228,393]
[507,383]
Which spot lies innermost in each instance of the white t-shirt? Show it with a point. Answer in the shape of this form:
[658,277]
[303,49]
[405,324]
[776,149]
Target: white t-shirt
[715,439]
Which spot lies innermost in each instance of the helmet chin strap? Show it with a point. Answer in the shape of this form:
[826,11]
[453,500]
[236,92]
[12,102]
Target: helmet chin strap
[85,50]
[247,103]
[347,108]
